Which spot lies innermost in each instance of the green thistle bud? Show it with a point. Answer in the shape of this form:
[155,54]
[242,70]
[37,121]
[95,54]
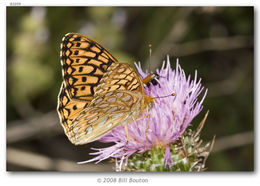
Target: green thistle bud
[187,154]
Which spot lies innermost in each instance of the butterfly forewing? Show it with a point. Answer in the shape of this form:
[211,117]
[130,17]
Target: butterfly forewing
[120,76]
[68,109]
[84,62]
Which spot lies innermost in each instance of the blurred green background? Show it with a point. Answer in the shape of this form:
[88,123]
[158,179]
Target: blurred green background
[217,41]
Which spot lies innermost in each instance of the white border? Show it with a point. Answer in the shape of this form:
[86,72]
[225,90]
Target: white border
[133,3]
[31,178]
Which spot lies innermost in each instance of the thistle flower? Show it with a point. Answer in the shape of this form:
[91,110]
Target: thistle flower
[158,141]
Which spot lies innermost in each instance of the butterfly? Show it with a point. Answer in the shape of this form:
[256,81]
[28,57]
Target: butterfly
[97,93]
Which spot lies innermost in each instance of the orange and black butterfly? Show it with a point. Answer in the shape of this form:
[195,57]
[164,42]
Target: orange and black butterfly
[97,93]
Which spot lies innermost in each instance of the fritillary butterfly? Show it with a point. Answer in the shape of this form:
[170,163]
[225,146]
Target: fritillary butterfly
[97,93]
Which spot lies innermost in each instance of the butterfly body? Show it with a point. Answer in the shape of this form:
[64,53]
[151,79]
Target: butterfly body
[97,93]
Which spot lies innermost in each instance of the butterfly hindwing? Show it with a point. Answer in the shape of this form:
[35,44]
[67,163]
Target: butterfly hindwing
[105,112]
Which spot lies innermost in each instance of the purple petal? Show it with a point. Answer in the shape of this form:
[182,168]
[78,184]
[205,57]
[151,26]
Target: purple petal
[169,117]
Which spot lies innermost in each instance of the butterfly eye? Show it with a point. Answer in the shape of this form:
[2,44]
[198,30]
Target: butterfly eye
[150,104]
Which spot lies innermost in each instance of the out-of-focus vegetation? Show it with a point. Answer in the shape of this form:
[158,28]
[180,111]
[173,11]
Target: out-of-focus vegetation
[217,41]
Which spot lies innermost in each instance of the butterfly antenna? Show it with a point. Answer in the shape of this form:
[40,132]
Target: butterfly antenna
[150,57]
[150,61]
[172,94]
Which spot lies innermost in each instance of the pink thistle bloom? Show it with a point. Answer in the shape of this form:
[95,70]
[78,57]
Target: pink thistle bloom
[163,123]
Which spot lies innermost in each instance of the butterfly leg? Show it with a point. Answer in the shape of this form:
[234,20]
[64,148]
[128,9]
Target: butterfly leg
[126,132]
[147,126]
[146,130]
[143,117]
[126,128]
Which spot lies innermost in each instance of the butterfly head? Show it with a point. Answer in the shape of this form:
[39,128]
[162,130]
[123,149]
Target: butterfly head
[149,101]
